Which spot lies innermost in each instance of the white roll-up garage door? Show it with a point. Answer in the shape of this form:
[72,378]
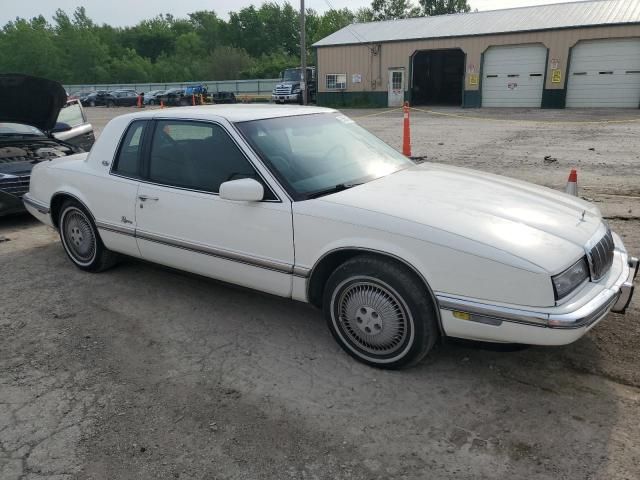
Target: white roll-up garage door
[605,73]
[513,76]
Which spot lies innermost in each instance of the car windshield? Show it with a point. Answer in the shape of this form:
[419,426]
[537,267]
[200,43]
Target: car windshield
[15,129]
[291,75]
[314,155]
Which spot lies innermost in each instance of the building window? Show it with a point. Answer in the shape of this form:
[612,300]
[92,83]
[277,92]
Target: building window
[396,80]
[336,81]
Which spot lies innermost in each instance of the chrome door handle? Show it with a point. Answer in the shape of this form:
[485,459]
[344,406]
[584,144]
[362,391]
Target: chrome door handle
[144,198]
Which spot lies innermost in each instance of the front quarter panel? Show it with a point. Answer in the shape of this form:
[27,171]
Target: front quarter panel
[321,228]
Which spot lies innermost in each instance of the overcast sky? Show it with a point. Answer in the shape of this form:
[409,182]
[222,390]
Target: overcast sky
[128,12]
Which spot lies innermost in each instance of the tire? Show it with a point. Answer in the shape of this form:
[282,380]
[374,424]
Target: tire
[110,104]
[81,241]
[152,102]
[184,103]
[92,103]
[380,312]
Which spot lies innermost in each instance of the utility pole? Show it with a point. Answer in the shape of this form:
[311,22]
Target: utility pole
[303,55]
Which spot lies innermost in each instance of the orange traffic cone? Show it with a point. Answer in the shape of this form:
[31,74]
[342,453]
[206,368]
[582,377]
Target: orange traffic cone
[139,102]
[193,100]
[572,183]
[161,104]
[406,133]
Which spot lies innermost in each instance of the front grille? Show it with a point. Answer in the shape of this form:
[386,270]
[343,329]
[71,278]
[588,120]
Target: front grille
[601,257]
[283,89]
[17,186]
[14,159]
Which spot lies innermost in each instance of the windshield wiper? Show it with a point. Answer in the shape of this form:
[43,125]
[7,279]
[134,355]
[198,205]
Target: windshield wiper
[335,189]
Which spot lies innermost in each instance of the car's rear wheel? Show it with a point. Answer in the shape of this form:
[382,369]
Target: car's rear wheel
[184,102]
[80,239]
[111,104]
[92,103]
[152,102]
[380,313]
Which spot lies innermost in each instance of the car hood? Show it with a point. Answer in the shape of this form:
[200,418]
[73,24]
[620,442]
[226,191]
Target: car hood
[30,100]
[534,223]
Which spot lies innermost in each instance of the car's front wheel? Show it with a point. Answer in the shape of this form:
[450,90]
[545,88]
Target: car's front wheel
[152,102]
[380,313]
[80,239]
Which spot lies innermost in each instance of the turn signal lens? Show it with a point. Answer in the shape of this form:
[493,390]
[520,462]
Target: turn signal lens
[461,315]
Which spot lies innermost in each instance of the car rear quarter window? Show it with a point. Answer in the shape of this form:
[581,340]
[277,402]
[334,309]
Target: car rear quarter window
[129,159]
[197,156]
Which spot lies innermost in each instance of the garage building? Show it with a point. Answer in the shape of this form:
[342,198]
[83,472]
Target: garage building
[581,54]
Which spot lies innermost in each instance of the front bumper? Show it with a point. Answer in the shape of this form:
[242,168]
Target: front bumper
[38,209]
[626,289]
[468,318]
[292,97]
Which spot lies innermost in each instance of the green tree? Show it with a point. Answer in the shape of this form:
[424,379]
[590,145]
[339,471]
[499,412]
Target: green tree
[80,48]
[254,42]
[227,63]
[28,47]
[209,27]
[331,21]
[393,9]
[442,7]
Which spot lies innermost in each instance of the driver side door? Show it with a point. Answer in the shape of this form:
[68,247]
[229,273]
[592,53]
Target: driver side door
[183,223]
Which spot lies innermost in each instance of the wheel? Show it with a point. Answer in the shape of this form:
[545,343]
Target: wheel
[152,102]
[184,102]
[380,313]
[92,103]
[110,104]
[81,241]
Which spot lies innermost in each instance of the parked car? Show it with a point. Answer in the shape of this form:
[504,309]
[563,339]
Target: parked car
[223,97]
[121,98]
[36,125]
[302,202]
[94,99]
[173,97]
[151,98]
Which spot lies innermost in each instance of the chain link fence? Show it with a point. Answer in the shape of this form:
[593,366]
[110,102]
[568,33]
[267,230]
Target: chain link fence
[258,87]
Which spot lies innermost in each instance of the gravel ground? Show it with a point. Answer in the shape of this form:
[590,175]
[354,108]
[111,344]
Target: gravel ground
[148,373]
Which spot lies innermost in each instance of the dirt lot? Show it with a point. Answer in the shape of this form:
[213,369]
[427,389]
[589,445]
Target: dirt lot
[148,373]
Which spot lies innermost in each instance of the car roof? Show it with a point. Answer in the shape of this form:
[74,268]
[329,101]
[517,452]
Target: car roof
[233,113]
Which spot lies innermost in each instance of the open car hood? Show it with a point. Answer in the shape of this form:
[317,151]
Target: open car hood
[30,100]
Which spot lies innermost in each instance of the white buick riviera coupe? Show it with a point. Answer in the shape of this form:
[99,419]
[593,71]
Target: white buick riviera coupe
[303,203]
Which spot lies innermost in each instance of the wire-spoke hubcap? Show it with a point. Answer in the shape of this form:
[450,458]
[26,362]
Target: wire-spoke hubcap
[79,237]
[373,318]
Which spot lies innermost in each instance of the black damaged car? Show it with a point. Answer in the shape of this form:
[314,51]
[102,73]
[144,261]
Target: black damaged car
[36,124]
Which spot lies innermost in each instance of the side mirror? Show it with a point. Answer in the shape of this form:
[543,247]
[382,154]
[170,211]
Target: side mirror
[61,127]
[242,190]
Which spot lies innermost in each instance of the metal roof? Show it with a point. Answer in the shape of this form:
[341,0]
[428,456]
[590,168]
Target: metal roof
[522,19]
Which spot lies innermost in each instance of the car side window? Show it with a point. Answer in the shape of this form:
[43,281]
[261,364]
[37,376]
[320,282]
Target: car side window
[197,156]
[129,156]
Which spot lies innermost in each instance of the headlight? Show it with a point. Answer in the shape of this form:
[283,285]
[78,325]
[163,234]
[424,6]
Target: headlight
[7,175]
[567,281]
[296,90]
[273,92]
